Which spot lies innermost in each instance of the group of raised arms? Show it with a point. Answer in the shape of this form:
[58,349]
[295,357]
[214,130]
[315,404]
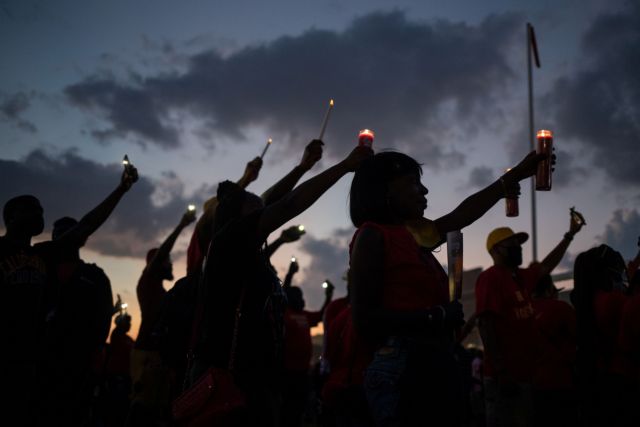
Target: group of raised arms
[229,344]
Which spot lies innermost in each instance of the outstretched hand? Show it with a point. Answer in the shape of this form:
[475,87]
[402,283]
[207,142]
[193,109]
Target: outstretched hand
[252,170]
[187,218]
[312,154]
[129,177]
[291,234]
[357,155]
[527,166]
[576,223]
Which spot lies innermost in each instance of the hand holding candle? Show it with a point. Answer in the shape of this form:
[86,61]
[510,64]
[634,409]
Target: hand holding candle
[130,174]
[326,120]
[365,138]
[545,146]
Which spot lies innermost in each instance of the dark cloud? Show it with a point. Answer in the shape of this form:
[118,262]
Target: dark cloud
[12,108]
[405,79]
[69,185]
[599,106]
[622,232]
[329,260]
[481,176]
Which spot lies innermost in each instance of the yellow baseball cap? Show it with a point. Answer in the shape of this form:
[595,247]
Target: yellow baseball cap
[503,233]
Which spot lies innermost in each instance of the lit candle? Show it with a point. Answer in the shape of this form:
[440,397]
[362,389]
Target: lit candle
[326,119]
[191,208]
[325,285]
[126,163]
[293,259]
[301,228]
[266,147]
[365,138]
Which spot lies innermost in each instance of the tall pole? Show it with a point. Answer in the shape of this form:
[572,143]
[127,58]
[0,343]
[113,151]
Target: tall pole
[532,46]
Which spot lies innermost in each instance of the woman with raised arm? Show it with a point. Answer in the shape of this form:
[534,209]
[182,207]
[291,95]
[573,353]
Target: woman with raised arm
[400,296]
[240,280]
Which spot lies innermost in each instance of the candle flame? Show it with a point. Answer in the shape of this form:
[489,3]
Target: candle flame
[331,103]
[301,228]
[366,132]
[545,134]
[325,285]
[125,161]
[293,259]
[191,208]
[269,141]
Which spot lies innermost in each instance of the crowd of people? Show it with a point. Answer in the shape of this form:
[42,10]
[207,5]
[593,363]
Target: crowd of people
[229,344]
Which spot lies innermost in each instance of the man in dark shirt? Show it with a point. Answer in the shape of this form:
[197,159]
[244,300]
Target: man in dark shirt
[28,286]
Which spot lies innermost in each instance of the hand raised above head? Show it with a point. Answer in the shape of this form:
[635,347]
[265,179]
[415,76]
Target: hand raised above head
[357,156]
[129,177]
[312,154]
[252,170]
[526,168]
[291,234]
[187,218]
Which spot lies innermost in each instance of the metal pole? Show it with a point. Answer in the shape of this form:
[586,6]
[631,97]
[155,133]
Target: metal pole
[534,225]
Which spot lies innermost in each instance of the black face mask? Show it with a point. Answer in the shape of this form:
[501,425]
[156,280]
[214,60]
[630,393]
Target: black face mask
[513,256]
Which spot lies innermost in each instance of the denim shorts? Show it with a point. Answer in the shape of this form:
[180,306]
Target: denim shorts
[383,380]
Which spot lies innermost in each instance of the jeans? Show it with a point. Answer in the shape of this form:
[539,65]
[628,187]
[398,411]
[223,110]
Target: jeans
[413,383]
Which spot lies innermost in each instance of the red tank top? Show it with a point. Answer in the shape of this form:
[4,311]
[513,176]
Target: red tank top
[413,278]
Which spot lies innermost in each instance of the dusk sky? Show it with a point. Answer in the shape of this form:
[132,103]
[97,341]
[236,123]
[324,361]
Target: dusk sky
[192,90]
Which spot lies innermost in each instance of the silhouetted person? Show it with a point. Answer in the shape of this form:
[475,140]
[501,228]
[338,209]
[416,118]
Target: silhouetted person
[239,278]
[555,394]
[117,372]
[298,349]
[28,284]
[400,297]
[150,377]
[77,330]
[598,297]
[506,322]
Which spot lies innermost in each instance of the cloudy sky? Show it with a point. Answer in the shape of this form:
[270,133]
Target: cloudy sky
[191,91]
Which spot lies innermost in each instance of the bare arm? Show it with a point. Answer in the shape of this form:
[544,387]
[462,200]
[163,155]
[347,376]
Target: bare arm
[89,223]
[476,205]
[303,196]
[312,153]
[551,261]
[165,248]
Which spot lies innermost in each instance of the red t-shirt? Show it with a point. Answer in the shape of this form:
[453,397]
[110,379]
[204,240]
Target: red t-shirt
[413,278]
[334,308]
[608,307]
[508,301]
[150,294]
[297,338]
[348,357]
[628,363]
[556,322]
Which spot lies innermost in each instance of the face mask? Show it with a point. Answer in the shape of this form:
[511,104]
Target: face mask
[513,256]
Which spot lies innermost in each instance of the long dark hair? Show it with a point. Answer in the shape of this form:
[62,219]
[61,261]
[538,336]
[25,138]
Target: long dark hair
[368,195]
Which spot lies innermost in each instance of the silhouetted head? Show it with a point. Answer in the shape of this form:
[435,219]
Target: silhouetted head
[505,246]
[598,269]
[234,203]
[386,189]
[295,298]
[23,215]
[61,226]
[123,322]
[166,266]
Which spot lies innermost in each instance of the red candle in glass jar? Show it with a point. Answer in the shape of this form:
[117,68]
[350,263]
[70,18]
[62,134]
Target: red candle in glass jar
[545,146]
[511,206]
[365,138]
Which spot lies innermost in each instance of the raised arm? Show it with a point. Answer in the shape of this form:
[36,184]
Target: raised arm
[312,154]
[289,235]
[205,223]
[89,223]
[293,269]
[476,205]
[303,196]
[551,261]
[165,248]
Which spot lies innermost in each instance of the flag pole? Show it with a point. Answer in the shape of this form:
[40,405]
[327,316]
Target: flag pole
[532,46]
